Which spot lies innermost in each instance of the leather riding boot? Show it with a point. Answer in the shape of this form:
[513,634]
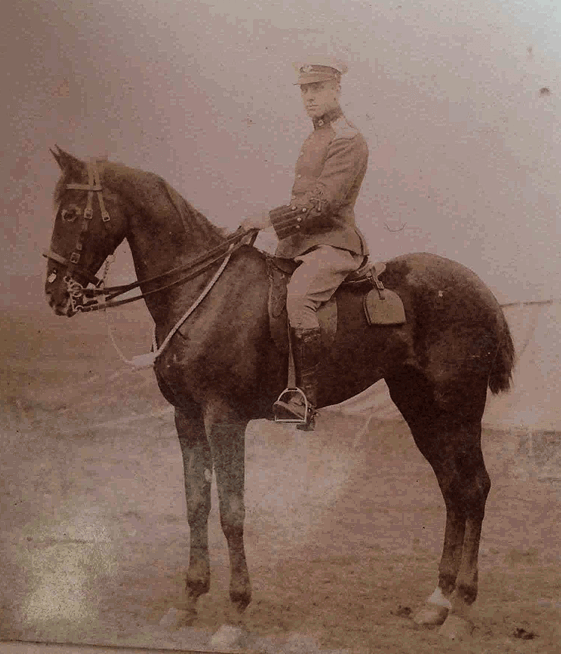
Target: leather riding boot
[291,406]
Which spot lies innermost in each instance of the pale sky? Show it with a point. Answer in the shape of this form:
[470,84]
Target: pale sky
[465,151]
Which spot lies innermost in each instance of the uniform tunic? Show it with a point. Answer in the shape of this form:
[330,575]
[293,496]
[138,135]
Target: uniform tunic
[318,228]
[328,175]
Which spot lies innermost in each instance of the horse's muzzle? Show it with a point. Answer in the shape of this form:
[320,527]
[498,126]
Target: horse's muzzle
[58,294]
[61,306]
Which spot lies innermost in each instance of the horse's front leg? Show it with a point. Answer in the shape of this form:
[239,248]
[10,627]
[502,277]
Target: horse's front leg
[226,433]
[197,463]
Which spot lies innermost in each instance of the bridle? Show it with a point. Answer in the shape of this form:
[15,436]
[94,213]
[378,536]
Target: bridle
[73,263]
[90,299]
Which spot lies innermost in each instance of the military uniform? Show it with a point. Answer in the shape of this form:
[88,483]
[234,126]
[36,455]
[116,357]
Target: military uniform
[317,229]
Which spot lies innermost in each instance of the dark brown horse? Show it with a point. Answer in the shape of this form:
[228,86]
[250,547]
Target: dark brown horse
[221,369]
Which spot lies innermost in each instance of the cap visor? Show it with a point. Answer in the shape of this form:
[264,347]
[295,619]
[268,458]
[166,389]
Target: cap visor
[310,78]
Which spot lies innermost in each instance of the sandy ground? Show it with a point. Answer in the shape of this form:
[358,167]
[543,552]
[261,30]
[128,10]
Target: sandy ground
[344,525]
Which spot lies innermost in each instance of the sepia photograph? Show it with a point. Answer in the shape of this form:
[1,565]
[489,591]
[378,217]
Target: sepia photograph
[281,327]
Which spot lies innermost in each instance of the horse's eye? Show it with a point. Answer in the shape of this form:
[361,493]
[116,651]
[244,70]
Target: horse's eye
[69,215]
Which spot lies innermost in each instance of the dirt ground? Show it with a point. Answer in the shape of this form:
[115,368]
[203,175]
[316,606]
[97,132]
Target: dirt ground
[344,525]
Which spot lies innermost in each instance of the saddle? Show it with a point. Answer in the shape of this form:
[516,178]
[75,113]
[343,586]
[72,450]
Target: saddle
[381,305]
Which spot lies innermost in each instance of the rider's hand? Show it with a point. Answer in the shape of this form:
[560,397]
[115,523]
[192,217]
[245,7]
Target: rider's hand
[258,221]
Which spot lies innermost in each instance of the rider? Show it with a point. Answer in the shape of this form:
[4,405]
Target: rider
[317,229]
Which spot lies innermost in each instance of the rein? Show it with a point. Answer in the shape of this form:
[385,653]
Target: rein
[193,269]
[147,360]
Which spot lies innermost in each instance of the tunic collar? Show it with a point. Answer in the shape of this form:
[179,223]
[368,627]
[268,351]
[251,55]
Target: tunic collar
[327,118]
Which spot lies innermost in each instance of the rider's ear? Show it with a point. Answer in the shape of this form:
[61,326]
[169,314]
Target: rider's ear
[66,162]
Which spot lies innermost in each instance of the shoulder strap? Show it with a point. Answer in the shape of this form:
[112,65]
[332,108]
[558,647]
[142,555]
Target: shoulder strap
[343,129]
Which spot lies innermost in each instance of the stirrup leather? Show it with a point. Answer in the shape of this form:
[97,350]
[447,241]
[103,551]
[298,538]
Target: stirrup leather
[282,406]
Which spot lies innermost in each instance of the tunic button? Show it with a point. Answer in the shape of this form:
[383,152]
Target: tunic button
[299,219]
[298,176]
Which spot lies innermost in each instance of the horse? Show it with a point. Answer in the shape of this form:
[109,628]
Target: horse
[221,368]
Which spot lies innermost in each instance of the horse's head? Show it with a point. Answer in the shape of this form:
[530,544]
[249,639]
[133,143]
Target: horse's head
[90,223]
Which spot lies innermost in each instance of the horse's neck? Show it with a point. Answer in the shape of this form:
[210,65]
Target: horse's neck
[166,231]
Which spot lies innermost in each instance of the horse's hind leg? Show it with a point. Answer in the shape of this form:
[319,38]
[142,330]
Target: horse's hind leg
[197,463]
[465,484]
[451,442]
[226,432]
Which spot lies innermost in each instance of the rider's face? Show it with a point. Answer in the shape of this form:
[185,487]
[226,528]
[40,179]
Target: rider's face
[320,97]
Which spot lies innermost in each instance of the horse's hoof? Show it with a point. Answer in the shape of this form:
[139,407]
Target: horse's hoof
[456,628]
[228,637]
[176,619]
[431,615]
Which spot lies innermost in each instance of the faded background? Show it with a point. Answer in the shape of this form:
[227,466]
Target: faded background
[460,104]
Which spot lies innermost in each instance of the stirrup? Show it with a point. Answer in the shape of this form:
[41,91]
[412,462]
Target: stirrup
[282,404]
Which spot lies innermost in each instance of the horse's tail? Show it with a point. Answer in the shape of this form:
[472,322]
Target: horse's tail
[503,365]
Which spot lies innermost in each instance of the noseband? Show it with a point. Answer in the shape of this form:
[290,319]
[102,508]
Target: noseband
[92,187]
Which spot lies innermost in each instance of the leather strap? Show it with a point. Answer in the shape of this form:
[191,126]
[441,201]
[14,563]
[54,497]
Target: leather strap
[86,274]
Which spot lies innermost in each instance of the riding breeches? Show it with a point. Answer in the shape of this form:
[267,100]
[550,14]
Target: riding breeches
[320,273]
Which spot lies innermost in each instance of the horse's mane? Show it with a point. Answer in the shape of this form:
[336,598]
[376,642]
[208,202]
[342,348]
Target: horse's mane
[191,217]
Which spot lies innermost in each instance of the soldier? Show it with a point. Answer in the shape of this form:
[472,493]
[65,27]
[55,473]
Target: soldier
[317,229]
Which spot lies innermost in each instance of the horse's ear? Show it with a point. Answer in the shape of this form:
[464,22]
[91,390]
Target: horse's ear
[55,155]
[66,161]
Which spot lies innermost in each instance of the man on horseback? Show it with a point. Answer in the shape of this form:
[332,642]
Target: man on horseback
[317,229]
